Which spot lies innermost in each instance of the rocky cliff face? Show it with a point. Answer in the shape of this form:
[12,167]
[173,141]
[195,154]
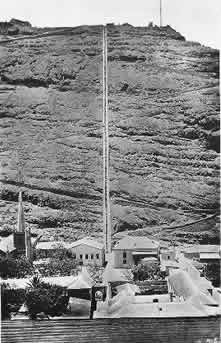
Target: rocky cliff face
[164,122]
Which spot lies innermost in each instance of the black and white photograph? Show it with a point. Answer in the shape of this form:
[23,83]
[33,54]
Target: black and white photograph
[110,171]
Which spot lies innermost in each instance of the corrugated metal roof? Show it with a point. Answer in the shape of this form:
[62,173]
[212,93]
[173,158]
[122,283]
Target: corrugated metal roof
[136,242]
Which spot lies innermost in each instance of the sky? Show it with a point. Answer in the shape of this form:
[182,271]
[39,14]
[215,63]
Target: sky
[197,20]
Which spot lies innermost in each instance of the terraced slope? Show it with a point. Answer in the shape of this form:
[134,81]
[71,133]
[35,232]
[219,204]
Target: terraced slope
[164,121]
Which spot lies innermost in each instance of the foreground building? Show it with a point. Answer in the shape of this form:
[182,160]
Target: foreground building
[130,250]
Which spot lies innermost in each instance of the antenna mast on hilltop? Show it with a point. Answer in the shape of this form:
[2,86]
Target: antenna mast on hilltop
[161,23]
[106,190]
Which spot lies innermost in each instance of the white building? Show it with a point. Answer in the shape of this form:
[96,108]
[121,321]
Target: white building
[130,250]
[88,251]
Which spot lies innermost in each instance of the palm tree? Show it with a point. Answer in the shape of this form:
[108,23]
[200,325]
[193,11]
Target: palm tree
[35,282]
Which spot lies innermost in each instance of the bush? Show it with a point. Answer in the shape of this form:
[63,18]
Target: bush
[212,272]
[60,267]
[150,271]
[11,300]
[5,309]
[15,268]
[59,252]
[46,298]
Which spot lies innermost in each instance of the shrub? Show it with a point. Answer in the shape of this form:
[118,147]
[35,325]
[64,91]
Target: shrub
[5,309]
[150,271]
[46,298]
[58,252]
[11,300]
[212,272]
[15,268]
[60,267]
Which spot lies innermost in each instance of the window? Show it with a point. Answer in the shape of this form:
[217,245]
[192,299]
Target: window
[168,257]
[81,257]
[92,256]
[97,256]
[74,256]
[86,256]
[124,254]
[124,261]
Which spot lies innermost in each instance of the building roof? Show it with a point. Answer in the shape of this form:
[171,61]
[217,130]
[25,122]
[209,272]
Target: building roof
[16,283]
[50,245]
[87,241]
[80,283]
[202,248]
[210,256]
[138,253]
[63,281]
[7,244]
[135,243]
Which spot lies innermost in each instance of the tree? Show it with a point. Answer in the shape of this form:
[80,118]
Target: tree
[15,268]
[5,309]
[58,266]
[46,298]
[11,300]
[212,272]
[150,271]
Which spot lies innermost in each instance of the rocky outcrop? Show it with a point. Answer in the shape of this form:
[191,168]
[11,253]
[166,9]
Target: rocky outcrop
[164,122]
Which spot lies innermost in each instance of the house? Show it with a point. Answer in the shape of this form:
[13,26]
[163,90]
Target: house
[130,250]
[203,253]
[88,251]
[46,249]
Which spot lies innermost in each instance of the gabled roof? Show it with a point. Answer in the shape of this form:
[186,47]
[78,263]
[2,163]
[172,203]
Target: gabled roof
[134,243]
[7,244]
[87,241]
[80,283]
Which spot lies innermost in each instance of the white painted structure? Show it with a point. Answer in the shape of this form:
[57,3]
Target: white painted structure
[131,249]
[88,251]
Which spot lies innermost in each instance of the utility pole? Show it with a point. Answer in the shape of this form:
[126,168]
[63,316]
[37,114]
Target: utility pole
[106,188]
[161,22]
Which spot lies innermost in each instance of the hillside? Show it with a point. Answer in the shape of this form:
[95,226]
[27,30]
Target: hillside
[164,122]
